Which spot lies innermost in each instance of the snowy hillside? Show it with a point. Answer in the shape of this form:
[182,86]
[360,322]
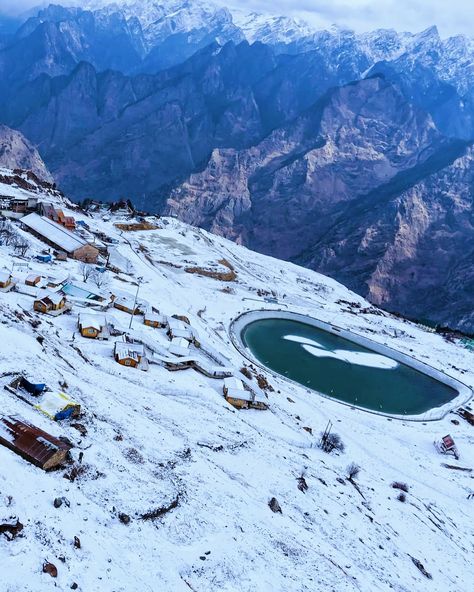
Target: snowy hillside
[194,475]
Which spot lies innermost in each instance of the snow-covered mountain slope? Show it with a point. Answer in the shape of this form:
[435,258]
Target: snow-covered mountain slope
[158,438]
[269,28]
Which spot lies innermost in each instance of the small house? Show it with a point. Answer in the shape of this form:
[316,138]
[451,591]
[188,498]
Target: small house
[53,303]
[6,281]
[155,320]
[93,326]
[237,395]
[33,279]
[32,444]
[179,347]
[179,329]
[130,354]
[127,305]
[58,406]
[66,221]
[259,402]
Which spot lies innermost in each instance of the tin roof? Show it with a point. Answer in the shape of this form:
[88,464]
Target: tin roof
[129,350]
[58,235]
[31,443]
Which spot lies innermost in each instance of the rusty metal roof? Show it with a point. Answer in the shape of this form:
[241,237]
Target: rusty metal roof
[30,442]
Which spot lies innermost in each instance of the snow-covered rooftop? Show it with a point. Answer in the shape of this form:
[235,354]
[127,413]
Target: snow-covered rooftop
[55,233]
[95,321]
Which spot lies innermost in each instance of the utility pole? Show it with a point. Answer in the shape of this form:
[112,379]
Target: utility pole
[139,280]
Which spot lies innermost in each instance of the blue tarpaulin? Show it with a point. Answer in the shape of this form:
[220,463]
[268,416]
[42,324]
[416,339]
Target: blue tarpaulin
[34,389]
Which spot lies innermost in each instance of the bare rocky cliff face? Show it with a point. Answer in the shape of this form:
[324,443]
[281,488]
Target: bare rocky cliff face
[17,153]
[363,188]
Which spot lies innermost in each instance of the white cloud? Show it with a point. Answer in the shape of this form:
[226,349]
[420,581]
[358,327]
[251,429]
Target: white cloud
[451,17]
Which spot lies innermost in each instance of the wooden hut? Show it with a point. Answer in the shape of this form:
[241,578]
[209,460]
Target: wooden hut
[126,305]
[33,279]
[238,396]
[93,326]
[5,281]
[181,318]
[66,221]
[129,354]
[32,444]
[235,393]
[156,320]
[53,303]
[179,329]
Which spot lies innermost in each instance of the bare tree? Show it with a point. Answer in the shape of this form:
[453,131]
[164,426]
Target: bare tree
[86,270]
[100,279]
[21,248]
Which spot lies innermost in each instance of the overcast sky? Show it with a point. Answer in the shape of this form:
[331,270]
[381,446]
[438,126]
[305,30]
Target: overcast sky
[451,16]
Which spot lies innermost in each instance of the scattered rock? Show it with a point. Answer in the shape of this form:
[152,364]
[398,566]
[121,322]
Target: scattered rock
[302,485]
[77,542]
[50,569]
[59,501]
[11,528]
[124,518]
[153,514]
[421,567]
[81,428]
[274,505]
[74,586]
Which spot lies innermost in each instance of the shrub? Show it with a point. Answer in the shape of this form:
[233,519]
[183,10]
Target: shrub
[399,485]
[353,471]
[402,497]
[330,442]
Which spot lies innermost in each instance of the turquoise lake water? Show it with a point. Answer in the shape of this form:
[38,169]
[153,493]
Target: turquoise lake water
[343,370]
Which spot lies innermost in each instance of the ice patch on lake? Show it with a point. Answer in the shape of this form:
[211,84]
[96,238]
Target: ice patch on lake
[351,357]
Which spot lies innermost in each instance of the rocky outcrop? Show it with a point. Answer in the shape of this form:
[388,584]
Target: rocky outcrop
[411,248]
[17,153]
[363,188]
[285,186]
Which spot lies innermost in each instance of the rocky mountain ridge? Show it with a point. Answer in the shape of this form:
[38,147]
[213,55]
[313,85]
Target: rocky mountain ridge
[17,152]
[271,144]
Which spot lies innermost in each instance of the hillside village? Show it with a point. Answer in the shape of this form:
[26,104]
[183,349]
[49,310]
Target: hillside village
[154,451]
